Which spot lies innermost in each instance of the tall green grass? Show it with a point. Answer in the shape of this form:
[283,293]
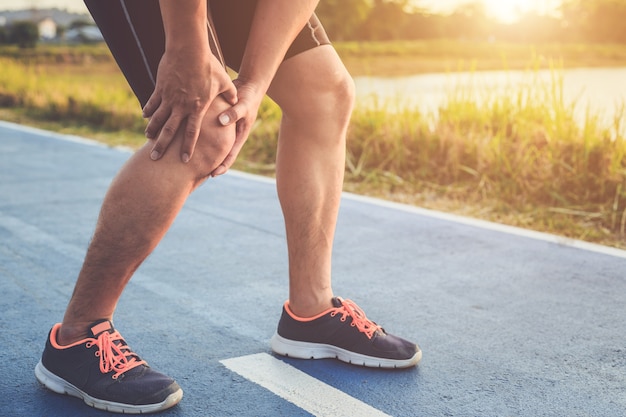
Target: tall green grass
[522,157]
[61,94]
[523,151]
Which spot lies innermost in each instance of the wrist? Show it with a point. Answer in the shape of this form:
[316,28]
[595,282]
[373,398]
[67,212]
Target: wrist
[184,23]
[190,48]
[257,86]
[194,39]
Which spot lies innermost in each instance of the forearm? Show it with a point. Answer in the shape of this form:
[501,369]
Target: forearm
[189,78]
[276,24]
[185,24]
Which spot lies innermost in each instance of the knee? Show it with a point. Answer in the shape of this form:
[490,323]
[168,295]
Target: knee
[343,96]
[334,99]
[328,100]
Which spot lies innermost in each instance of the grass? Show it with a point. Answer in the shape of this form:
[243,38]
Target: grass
[520,158]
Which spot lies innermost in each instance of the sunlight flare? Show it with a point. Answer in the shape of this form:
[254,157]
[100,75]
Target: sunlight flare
[508,11]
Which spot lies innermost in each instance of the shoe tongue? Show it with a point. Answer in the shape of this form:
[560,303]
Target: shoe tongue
[101,326]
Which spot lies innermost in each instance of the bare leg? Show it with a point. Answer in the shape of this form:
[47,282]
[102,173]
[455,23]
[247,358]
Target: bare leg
[141,204]
[316,94]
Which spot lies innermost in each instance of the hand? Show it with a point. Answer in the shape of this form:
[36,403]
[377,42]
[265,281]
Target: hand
[187,83]
[244,114]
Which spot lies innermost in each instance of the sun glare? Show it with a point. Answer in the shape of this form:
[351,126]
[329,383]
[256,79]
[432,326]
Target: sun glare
[509,11]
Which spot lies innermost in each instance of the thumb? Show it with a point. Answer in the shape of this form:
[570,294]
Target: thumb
[228,117]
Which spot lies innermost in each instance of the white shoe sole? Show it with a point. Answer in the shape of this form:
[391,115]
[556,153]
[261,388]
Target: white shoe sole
[307,350]
[60,386]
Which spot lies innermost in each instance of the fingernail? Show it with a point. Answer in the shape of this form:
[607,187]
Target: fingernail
[224,119]
[185,158]
[154,155]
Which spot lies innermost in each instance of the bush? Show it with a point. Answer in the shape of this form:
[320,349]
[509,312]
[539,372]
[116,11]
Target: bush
[24,34]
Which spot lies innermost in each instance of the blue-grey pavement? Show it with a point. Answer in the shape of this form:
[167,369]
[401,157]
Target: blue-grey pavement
[510,323]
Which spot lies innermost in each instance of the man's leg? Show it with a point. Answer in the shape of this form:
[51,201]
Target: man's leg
[85,356]
[141,204]
[316,94]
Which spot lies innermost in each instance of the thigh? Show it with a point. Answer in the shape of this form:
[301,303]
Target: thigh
[133,31]
[233,19]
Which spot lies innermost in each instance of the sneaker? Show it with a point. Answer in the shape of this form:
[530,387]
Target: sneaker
[104,372]
[345,333]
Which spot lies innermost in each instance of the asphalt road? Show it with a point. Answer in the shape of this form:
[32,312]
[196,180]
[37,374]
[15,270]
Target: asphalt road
[512,323]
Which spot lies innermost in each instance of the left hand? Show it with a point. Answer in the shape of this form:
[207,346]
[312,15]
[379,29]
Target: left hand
[244,114]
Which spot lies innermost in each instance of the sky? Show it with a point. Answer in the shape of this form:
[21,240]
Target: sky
[504,10]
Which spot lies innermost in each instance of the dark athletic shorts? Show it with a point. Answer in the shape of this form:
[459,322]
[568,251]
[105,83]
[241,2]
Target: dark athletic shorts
[133,31]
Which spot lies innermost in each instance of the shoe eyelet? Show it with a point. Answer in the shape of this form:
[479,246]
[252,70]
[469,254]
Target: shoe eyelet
[113,376]
[343,319]
[88,345]
[333,314]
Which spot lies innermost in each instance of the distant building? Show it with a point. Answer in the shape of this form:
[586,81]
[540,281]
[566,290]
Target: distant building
[51,22]
[47,28]
[84,34]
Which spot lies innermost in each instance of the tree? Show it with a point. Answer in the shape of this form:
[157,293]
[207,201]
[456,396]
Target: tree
[24,33]
[595,20]
[386,20]
[469,21]
[342,18]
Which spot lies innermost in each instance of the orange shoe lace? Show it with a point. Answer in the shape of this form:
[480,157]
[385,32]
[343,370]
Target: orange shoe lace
[359,319]
[113,356]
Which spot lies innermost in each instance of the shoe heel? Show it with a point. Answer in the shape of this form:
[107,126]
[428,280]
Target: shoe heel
[51,381]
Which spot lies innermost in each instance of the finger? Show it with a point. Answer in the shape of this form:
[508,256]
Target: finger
[230,94]
[220,170]
[165,137]
[156,122]
[152,104]
[227,163]
[192,133]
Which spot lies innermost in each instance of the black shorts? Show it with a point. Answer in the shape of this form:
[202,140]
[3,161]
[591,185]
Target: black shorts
[133,31]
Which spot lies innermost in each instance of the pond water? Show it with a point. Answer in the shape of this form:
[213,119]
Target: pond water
[599,90]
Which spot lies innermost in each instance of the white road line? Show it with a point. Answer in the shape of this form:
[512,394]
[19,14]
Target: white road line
[299,388]
[487,225]
[33,235]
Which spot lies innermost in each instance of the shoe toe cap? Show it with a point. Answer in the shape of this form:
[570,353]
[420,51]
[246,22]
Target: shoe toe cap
[394,347]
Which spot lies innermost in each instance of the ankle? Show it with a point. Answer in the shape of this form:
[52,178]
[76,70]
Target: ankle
[72,332]
[309,309]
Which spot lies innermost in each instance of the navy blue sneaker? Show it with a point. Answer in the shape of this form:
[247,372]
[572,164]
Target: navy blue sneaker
[104,372]
[345,333]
